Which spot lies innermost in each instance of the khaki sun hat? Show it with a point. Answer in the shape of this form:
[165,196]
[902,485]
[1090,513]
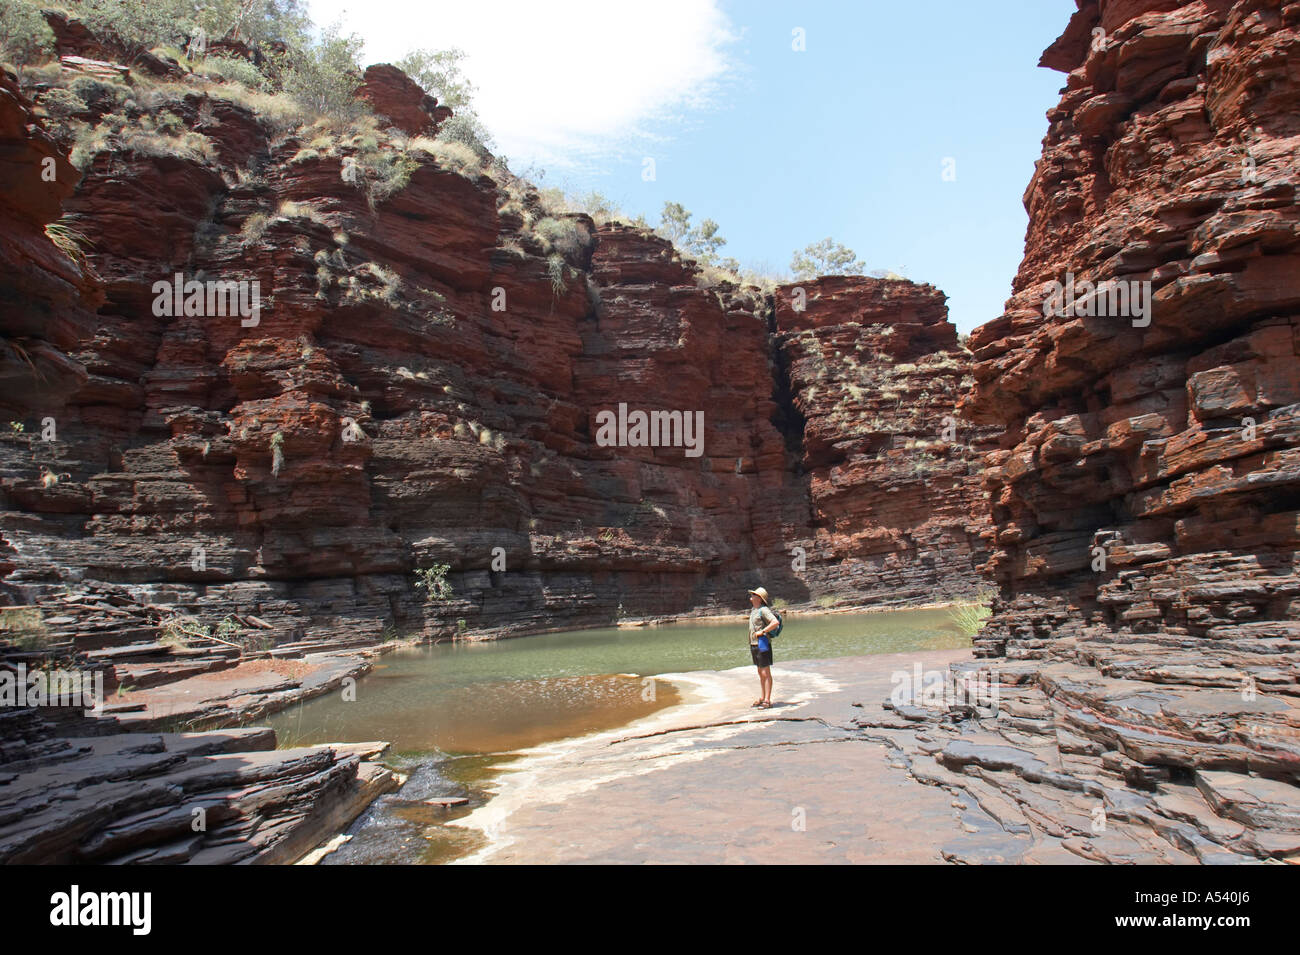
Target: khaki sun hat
[761,594]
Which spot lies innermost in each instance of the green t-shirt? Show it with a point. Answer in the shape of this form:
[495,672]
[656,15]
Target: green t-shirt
[759,618]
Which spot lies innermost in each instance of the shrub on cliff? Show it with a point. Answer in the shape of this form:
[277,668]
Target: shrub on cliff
[234,69]
[145,135]
[25,37]
[468,131]
[598,206]
[63,106]
[323,76]
[701,242]
[826,257]
[433,580]
[564,236]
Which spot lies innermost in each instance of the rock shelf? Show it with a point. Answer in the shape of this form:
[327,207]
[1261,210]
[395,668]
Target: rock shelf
[219,797]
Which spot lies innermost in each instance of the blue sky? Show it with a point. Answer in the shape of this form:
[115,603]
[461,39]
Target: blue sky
[845,139]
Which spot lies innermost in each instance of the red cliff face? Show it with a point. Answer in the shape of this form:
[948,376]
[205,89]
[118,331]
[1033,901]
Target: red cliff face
[47,298]
[1145,491]
[892,474]
[396,96]
[426,381]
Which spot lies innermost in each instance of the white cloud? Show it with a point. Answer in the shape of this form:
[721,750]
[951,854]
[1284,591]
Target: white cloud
[561,81]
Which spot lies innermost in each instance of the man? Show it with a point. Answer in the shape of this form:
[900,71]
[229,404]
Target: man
[761,622]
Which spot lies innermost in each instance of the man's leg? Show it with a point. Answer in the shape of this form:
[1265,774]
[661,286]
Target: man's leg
[765,681]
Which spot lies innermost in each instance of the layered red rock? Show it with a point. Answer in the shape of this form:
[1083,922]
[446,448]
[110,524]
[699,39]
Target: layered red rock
[47,297]
[1144,494]
[422,385]
[398,97]
[76,793]
[875,372]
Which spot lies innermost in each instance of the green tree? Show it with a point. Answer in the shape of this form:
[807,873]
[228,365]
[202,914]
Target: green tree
[701,242]
[323,75]
[138,25]
[704,242]
[25,37]
[674,223]
[826,257]
[440,73]
[257,22]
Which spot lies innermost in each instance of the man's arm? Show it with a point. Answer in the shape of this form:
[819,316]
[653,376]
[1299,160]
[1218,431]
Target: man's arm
[771,624]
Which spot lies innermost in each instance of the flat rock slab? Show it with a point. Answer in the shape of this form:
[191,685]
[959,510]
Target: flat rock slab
[249,691]
[714,781]
[829,776]
[135,798]
[1251,800]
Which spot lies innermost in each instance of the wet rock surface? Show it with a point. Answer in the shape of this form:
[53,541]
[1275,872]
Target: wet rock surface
[832,775]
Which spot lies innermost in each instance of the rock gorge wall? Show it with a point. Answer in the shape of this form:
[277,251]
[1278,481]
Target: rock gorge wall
[1145,491]
[422,386]
[893,475]
[46,302]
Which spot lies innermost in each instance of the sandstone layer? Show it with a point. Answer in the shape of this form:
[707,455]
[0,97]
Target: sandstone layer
[213,798]
[422,386]
[874,373]
[1144,493]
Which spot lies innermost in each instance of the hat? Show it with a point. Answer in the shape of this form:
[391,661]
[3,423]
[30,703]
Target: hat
[761,594]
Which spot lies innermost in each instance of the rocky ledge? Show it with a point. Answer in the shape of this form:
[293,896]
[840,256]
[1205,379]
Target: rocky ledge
[1110,770]
[219,797]
[1144,491]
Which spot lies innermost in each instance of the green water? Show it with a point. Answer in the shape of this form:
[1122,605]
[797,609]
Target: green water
[455,713]
[502,695]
